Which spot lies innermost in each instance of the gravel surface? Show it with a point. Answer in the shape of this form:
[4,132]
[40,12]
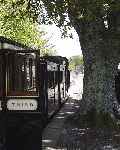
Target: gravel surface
[74,137]
[88,139]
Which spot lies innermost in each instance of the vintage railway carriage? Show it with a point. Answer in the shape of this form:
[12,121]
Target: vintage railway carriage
[57,79]
[20,104]
[32,88]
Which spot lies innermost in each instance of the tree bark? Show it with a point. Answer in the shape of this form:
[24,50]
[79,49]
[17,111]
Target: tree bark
[100,67]
[99,83]
[101,50]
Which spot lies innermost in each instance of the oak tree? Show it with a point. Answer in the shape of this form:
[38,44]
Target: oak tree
[97,23]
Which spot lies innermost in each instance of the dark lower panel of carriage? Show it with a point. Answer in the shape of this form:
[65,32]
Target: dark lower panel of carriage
[22,131]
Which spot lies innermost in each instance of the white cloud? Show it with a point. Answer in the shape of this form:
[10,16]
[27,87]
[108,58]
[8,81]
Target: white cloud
[68,47]
[65,47]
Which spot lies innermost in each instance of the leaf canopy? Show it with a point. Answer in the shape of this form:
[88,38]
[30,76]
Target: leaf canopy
[18,23]
[66,13]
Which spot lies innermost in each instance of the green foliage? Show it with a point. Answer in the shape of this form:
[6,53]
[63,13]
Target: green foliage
[64,13]
[75,61]
[67,13]
[16,24]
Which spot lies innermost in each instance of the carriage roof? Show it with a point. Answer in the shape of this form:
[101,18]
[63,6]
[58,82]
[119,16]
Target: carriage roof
[8,44]
[56,59]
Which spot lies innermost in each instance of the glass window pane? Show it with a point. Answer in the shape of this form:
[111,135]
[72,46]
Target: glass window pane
[21,74]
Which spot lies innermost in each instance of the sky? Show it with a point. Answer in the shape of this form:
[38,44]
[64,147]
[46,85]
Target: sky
[65,47]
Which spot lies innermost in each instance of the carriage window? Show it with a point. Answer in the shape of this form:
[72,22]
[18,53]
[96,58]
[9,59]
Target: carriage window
[21,75]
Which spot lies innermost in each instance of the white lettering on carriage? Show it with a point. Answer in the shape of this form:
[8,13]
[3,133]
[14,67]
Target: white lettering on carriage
[52,66]
[62,67]
[22,104]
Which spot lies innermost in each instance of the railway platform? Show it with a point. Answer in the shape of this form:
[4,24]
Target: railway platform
[55,128]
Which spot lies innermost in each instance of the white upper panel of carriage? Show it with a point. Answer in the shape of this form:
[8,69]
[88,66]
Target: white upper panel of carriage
[10,46]
[62,67]
[51,66]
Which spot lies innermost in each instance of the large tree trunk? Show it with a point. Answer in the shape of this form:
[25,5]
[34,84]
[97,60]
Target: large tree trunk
[101,50]
[100,66]
[99,82]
